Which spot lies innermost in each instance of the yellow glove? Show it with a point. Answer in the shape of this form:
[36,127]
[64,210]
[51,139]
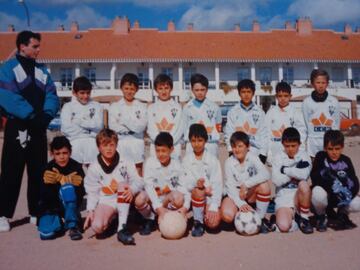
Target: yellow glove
[73,178]
[52,177]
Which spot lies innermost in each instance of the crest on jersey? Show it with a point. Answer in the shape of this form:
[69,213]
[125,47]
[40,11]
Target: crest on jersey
[174,181]
[331,110]
[252,171]
[124,173]
[255,117]
[292,122]
[23,138]
[137,113]
[210,114]
[72,115]
[92,112]
[174,112]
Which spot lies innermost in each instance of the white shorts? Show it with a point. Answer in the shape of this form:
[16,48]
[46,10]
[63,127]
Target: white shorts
[212,148]
[84,150]
[176,154]
[132,149]
[314,145]
[285,198]
[109,201]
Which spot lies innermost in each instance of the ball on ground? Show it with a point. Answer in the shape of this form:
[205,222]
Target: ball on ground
[173,225]
[247,223]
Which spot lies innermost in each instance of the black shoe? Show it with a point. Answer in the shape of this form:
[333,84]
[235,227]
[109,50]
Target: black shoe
[304,224]
[125,237]
[148,227]
[75,234]
[266,226]
[198,229]
[321,223]
[346,222]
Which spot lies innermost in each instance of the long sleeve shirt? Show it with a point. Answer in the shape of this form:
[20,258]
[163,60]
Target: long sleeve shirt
[250,173]
[250,120]
[207,113]
[207,168]
[81,121]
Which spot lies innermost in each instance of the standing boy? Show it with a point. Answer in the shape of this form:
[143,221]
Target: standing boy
[201,110]
[81,120]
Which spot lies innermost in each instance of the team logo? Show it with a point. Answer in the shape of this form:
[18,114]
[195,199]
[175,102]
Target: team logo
[252,171]
[110,189]
[322,123]
[210,114]
[174,112]
[72,115]
[292,122]
[255,117]
[164,125]
[174,181]
[277,134]
[137,114]
[331,110]
[124,173]
[92,112]
[247,129]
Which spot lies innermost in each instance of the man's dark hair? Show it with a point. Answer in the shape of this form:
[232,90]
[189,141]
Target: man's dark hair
[24,38]
[82,83]
[239,136]
[246,83]
[283,87]
[131,79]
[60,142]
[199,78]
[198,130]
[290,134]
[319,72]
[164,139]
[334,137]
[163,79]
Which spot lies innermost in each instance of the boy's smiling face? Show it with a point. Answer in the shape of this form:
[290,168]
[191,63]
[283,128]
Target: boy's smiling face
[163,154]
[240,150]
[129,91]
[83,96]
[246,95]
[198,145]
[107,150]
[283,98]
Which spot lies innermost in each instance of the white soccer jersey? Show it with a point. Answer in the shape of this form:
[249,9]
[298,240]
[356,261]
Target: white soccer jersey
[101,187]
[320,117]
[160,180]
[209,169]
[81,121]
[250,120]
[208,114]
[277,120]
[129,121]
[250,173]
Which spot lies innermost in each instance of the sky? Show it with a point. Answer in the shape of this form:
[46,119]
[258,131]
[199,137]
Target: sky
[211,15]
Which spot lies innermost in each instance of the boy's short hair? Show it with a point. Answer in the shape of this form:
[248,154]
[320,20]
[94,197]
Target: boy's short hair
[105,136]
[59,142]
[239,136]
[319,72]
[283,87]
[163,79]
[164,139]
[246,83]
[199,78]
[82,83]
[198,130]
[24,38]
[291,134]
[334,137]
[130,78]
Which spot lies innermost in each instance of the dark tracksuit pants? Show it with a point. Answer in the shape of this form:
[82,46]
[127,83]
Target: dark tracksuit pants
[14,158]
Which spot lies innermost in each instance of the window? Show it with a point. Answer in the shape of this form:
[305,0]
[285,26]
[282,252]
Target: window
[143,76]
[337,74]
[188,72]
[90,73]
[356,76]
[288,75]
[66,77]
[243,73]
[168,71]
[265,75]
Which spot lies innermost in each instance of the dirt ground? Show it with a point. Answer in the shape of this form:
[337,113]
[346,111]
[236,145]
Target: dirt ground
[22,249]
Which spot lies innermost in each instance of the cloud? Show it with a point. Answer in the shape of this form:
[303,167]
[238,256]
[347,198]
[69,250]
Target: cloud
[327,12]
[144,3]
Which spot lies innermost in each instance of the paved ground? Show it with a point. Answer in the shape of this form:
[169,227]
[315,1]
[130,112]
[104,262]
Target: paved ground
[22,248]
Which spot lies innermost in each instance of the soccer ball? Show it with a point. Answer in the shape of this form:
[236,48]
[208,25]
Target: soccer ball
[247,223]
[173,225]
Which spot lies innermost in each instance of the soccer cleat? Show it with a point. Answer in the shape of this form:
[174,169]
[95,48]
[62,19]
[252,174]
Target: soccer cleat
[125,237]
[198,229]
[266,226]
[321,223]
[4,224]
[148,227]
[304,224]
[75,234]
[346,222]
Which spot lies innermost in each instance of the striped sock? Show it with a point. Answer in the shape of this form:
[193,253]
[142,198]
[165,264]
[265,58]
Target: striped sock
[304,211]
[262,203]
[198,206]
[146,212]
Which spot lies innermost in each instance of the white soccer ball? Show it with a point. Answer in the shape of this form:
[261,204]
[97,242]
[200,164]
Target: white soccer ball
[173,225]
[247,223]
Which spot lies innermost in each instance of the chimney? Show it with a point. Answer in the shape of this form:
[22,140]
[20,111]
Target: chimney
[11,28]
[171,26]
[347,29]
[256,26]
[136,25]
[121,25]
[60,28]
[190,27]
[237,27]
[304,26]
[74,27]
[288,25]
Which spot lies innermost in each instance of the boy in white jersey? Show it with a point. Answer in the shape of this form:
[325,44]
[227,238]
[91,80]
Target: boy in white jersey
[201,110]
[247,117]
[81,120]
[321,112]
[246,182]
[202,172]
[164,186]
[128,118]
[111,185]
[291,169]
[165,115]
[280,117]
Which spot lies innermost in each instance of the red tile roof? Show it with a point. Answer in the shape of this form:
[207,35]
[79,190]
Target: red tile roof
[146,45]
